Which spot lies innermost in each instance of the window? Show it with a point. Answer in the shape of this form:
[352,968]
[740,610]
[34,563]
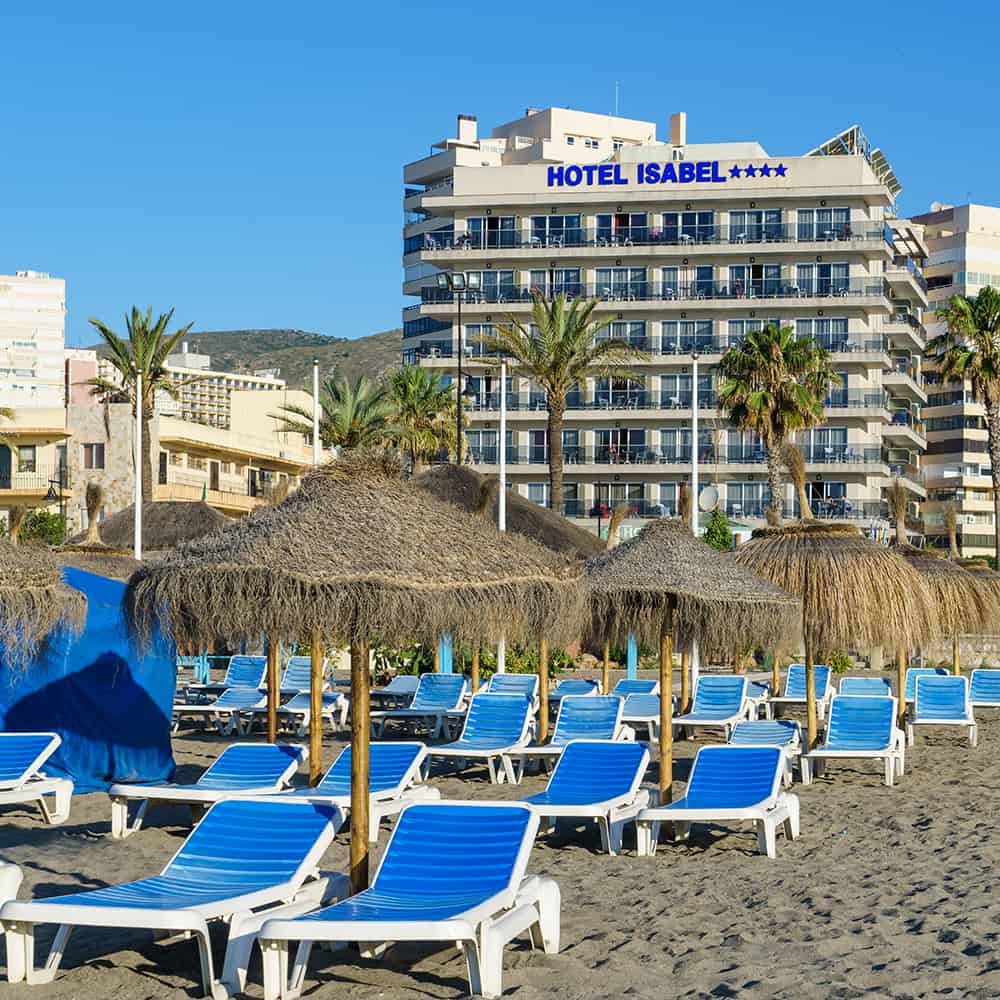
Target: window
[591,143]
[26,458]
[754,281]
[739,328]
[539,493]
[633,332]
[616,144]
[755,226]
[822,279]
[93,456]
[538,447]
[621,228]
[824,223]
[483,447]
[676,391]
[688,227]
[555,280]
[571,447]
[612,495]
[620,444]
[497,286]
[572,502]
[620,393]
[176,458]
[556,230]
[824,444]
[194,462]
[744,446]
[830,334]
[621,282]
[492,231]
[570,140]
[685,336]
[747,499]
[668,499]
[670,283]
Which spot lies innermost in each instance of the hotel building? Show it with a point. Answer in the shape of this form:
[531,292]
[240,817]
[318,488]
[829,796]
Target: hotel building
[963,245]
[687,247]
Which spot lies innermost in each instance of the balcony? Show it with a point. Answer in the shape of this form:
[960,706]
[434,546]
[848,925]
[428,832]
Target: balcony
[870,402]
[834,509]
[903,379]
[33,483]
[232,495]
[906,280]
[906,331]
[907,428]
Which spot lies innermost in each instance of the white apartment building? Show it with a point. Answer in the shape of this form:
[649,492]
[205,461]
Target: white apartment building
[687,247]
[963,244]
[32,338]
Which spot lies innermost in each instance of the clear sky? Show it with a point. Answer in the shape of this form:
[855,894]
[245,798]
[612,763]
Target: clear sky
[242,161]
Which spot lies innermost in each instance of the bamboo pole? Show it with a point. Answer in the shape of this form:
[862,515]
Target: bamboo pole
[666,707]
[360,765]
[776,675]
[606,675]
[811,723]
[475,667]
[272,690]
[685,681]
[437,657]
[901,686]
[956,656]
[316,711]
[543,690]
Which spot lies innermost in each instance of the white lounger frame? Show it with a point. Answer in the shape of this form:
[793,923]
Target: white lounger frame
[228,721]
[481,933]
[968,723]
[34,785]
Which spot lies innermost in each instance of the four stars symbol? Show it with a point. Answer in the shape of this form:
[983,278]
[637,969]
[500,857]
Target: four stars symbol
[765,171]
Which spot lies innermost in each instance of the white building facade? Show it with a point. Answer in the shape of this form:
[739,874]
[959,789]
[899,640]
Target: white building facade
[686,247]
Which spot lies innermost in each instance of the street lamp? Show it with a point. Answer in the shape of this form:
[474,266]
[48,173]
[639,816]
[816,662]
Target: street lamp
[459,285]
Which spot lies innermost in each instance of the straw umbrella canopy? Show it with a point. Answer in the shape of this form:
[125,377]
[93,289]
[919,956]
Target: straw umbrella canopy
[966,603]
[855,592]
[663,583]
[358,553]
[165,525]
[34,601]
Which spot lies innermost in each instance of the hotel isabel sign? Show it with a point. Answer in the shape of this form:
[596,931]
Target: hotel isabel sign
[681,172]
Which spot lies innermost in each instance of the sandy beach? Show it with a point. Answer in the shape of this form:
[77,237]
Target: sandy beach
[888,893]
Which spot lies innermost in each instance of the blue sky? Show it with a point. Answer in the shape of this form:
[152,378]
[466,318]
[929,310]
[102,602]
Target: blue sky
[242,161]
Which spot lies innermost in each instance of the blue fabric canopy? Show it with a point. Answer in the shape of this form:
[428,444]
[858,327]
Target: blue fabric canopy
[111,706]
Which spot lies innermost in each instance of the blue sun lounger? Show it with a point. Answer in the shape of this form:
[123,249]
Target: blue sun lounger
[245,860]
[984,688]
[495,726]
[626,686]
[398,693]
[437,696]
[230,712]
[241,769]
[423,893]
[912,673]
[728,784]
[22,757]
[795,689]
[759,697]
[595,780]
[295,713]
[298,675]
[643,710]
[720,701]
[942,701]
[872,687]
[241,672]
[572,687]
[582,717]
[783,733]
[862,727]
[393,782]
[526,684]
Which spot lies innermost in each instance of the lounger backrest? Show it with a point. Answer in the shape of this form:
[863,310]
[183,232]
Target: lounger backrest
[439,692]
[298,673]
[718,693]
[869,686]
[402,684]
[303,701]
[985,687]
[859,722]
[253,842]
[588,717]
[457,850]
[912,673]
[236,698]
[795,680]
[392,767]
[631,685]
[500,719]
[23,754]
[526,684]
[641,706]
[598,770]
[245,671]
[573,686]
[728,777]
[758,689]
[253,765]
[765,733]
[944,697]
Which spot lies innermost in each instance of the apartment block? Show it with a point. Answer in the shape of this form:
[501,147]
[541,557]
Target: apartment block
[687,247]
[963,245]
[32,337]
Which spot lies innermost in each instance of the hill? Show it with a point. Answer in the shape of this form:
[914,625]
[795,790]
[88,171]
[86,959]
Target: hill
[292,352]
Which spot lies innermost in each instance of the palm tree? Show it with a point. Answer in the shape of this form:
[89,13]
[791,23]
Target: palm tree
[969,351]
[775,386]
[351,415]
[423,412]
[144,353]
[559,349]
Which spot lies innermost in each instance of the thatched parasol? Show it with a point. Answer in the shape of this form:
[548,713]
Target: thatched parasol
[104,562]
[358,553]
[965,603]
[855,592]
[474,493]
[165,525]
[34,601]
[663,582]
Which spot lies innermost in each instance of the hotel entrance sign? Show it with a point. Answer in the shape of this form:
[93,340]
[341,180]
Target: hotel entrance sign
[681,172]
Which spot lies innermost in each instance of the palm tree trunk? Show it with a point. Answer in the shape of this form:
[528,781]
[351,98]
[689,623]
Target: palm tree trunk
[993,435]
[774,480]
[147,458]
[557,410]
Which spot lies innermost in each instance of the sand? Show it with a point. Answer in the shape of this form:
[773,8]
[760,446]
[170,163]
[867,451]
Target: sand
[888,893]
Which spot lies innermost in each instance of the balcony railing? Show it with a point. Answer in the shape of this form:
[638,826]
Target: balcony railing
[900,265]
[655,291]
[846,400]
[660,236]
[36,480]
[261,489]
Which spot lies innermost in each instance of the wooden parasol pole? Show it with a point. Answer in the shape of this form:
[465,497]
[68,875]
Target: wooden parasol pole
[811,723]
[475,667]
[685,680]
[776,675]
[901,686]
[316,711]
[606,675]
[272,690]
[543,690]
[666,707]
[437,657]
[956,656]
[360,764]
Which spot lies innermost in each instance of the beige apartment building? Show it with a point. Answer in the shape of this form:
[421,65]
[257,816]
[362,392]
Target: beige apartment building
[963,244]
[687,247]
[32,318]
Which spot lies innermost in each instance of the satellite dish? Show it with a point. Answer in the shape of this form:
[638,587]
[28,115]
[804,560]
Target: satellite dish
[708,498]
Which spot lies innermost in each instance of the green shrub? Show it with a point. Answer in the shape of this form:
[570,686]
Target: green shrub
[838,661]
[41,526]
[717,533]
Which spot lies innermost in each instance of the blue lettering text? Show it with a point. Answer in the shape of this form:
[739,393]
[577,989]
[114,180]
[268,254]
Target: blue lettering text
[555,176]
[573,176]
